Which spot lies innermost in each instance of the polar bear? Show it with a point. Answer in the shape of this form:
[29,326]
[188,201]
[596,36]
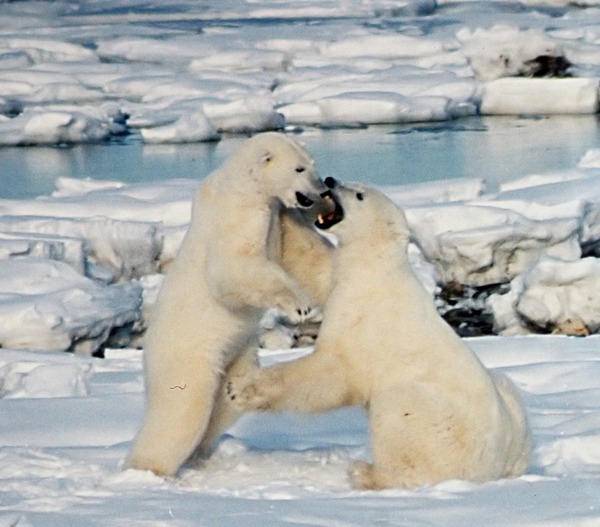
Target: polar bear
[435,413]
[226,274]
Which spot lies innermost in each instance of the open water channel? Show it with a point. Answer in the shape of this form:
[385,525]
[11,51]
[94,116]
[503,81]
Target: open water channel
[496,149]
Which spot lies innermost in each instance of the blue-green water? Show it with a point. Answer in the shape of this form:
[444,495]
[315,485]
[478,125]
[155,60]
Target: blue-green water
[496,149]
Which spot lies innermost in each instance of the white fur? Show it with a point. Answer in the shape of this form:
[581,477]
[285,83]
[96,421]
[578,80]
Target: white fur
[435,413]
[226,274]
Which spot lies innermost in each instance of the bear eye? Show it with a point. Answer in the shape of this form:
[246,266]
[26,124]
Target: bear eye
[360,196]
[300,169]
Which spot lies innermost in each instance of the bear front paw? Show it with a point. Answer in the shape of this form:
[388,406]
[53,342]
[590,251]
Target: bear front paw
[244,395]
[299,314]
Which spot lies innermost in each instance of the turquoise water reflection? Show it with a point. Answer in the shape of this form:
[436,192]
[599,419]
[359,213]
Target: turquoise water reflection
[496,149]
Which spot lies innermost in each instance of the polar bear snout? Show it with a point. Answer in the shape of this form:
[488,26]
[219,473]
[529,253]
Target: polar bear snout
[327,212]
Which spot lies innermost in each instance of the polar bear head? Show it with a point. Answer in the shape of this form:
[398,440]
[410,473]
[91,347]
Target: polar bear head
[281,169]
[368,216]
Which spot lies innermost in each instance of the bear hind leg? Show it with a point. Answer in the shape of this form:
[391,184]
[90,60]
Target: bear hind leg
[417,438]
[225,413]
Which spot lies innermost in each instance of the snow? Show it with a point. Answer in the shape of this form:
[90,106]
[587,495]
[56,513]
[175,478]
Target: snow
[511,96]
[47,304]
[80,268]
[553,295]
[504,51]
[187,74]
[86,284]
[63,444]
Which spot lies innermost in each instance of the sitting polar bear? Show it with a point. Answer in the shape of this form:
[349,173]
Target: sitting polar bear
[435,413]
[227,273]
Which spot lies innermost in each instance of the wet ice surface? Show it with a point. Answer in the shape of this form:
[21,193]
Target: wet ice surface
[523,214]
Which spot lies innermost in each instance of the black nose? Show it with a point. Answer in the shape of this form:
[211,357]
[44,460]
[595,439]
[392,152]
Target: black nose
[330,182]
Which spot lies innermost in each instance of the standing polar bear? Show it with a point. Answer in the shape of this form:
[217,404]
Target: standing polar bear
[435,413]
[227,273]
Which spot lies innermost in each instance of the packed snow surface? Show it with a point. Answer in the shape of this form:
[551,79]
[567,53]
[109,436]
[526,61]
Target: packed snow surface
[67,423]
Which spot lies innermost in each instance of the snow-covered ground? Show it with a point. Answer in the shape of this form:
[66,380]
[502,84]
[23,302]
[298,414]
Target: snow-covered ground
[79,269]
[67,422]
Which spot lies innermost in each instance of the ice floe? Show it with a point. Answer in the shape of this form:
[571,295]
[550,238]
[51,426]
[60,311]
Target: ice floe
[114,233]
[185,74]
[47,304]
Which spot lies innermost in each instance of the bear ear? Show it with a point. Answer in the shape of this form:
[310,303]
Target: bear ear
[266,157]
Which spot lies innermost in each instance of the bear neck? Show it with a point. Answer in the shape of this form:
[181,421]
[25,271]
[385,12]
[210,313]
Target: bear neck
[362,255]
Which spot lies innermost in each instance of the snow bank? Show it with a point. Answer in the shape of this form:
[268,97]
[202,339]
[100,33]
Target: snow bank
[114,250]
[48,305]
[76,243]
[531,234]
[551,296]
[540,96]
[476,245]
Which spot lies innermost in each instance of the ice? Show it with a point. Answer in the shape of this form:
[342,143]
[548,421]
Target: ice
[186,128]
[30,379]
[54,127]
[504,51]
[511,96]
[591,159]
[367,108]
[46,304]
[48,50]
[247,115]
[552,295]
[386,46]
[53,247]
[476,245]
[189,74]
[119,250]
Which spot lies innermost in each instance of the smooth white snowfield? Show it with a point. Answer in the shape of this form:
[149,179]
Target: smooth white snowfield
[67,422]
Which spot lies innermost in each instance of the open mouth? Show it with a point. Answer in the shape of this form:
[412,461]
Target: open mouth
[328,219]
